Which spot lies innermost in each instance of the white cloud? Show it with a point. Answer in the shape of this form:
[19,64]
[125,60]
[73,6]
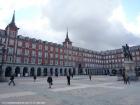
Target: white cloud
[132,26]
[91,23]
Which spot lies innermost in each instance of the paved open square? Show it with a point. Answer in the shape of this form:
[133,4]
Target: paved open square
[101,90]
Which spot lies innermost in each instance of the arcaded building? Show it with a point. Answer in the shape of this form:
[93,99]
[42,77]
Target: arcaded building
[26,56]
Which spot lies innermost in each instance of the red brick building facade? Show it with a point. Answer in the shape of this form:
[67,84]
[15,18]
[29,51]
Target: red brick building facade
[28,56]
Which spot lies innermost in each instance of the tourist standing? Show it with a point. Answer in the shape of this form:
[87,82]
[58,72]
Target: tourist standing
[68,79]
[35,78]
[90,76]
[50,80]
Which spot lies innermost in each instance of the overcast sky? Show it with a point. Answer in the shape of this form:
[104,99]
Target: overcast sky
[93,24]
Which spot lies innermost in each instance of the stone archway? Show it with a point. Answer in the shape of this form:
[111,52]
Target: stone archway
[17,71]
[25,72]
[39,72]
[56,72]
[61,71]
[45,72]
[32,71]
[8,71]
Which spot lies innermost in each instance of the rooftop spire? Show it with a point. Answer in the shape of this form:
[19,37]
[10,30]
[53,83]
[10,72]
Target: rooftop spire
[12,23]
[13,19]
[67,37]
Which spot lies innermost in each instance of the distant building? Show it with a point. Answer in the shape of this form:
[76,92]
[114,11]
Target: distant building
[28,56]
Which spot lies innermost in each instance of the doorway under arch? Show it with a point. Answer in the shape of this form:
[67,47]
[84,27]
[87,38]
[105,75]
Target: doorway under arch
[17,71]
[25,72]
[39,72]
[32,71]
[8,71]
[51,71]
[45,72]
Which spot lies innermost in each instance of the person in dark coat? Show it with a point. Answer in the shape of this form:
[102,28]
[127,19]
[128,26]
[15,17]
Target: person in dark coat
[90,76]
[35,78]
[50,80]
[12,80]
[68,79]
[124,78]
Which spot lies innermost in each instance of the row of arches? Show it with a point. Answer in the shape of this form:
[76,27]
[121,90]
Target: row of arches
[39,71]
[27,71]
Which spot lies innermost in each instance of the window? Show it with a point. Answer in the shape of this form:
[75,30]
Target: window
[51,55]
[33,60]
[26,60]
[19,43]
[34,46]
[19,51]
[51,62]
[40,47]
[46,55]
[39,54]
[11,42]
[61,62]
[46,48]
[27,45]
[137,53]
[56,62]
[33,53]
[61,56]
[56,50]
[61,51]
[133,53]
[3,40]
[10,58]
[10,50]
[51,48]
[56,56]
[26,52]
[18,60]
[39,61]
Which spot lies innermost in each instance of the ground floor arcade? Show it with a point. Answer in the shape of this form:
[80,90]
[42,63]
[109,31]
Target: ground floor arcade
[39,70]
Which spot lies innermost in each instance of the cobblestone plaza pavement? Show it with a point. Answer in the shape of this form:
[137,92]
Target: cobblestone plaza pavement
[101,90]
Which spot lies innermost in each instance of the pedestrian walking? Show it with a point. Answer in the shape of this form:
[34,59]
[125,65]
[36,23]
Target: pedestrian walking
[50,81]
[124,78]
[127,79]
[12,80]
[35,78]
[89,76]
[68,79]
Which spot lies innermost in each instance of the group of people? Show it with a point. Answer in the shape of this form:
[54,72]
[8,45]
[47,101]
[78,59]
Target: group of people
[50,80]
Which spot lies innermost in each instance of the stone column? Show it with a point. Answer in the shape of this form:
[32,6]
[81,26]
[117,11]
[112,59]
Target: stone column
[35,71]
[21,71]
[29,69]
[42,73]
[13,69]
[48,71]
[76,71]
[3,70]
